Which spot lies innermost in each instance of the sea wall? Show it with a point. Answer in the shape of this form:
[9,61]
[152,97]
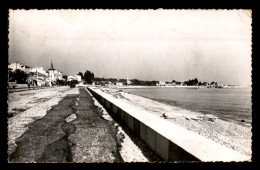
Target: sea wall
[171,142]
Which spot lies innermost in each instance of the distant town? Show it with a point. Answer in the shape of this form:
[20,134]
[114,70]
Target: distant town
[36,76]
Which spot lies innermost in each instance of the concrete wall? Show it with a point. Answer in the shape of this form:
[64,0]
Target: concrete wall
[172,144]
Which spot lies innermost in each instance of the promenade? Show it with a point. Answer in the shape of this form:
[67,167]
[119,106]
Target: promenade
[71,131]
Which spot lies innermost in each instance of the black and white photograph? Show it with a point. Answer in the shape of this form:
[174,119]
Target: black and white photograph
[133,85]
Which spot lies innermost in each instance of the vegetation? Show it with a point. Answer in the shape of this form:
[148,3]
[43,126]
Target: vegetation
[144,83]
[65,77]
[112,80]
[192,82]
[81,74]
[62,82]
[18,75]
[176,82]
[136,82]
[89,77]
[72,82]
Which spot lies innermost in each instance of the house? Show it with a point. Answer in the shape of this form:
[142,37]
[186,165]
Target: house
[119,84]
[161,83]
[54,74]
[58,74]
[51,73]
[38,70]
[17,65]
[38,75]
[128,81]
[74,77]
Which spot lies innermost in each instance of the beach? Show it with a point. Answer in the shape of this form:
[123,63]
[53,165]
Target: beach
[230,134]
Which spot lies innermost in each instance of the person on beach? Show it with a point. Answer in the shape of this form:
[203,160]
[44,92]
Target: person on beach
[28,83]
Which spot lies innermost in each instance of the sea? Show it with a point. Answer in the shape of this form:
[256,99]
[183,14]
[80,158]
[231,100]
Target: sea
[229,104]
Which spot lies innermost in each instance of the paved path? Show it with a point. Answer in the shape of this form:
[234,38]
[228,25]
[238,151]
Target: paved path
[88,138]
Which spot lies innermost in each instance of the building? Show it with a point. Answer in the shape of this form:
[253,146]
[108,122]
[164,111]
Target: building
[51,73]
[54,74]
[119,84]
[58,74]
[15,66]
[74,77]
[161,83]
[38,75]
[128,81]
[38,70]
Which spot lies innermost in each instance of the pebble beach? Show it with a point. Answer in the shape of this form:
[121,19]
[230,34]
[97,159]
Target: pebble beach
[230,134]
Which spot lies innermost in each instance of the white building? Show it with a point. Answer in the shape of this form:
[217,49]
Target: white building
[128,81]
[54,74]
[58,74]
[51,73]
[161,83]
[38,70]
[74,77]
[15,66]
[119,84]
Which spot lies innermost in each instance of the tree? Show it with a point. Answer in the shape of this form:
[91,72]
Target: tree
[18,75]
[205,83]
[192,82]
[73,82]
[62,82]
[65,77]
[89,77]
[136,82]
[195,81]
[81,74]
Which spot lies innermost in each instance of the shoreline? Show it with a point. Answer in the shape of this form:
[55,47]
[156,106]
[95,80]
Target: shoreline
[245,122]
[191,87]
[229,134]
[226,116]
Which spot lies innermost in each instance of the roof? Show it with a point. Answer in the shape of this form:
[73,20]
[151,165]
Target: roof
[51,68]
[27,66]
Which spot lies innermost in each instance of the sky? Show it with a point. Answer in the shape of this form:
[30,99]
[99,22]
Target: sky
[166,45]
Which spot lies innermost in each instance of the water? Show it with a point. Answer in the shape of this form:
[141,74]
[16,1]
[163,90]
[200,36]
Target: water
[231,104]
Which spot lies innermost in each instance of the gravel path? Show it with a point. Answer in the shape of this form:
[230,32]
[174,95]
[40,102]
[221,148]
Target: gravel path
[26,107]
[94,139]
[46,138]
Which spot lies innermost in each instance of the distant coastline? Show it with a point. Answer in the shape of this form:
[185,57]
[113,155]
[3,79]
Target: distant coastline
[191,87]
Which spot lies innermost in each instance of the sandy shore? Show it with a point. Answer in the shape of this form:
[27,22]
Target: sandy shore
[232,135]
